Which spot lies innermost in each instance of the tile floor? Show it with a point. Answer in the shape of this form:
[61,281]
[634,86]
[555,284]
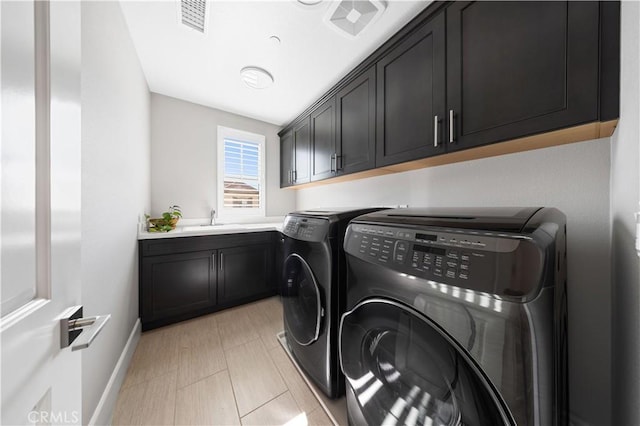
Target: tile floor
[226,368]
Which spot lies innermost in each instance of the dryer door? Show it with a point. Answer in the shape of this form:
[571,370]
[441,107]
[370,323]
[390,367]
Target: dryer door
[402,369]
[301,300]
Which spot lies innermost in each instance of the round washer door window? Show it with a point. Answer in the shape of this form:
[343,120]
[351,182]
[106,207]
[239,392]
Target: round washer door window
[301,301]
[403,370]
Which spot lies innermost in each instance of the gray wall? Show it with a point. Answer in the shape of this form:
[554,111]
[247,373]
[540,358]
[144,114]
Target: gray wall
[115,187]
[573,178]
[184,157]
[625,177]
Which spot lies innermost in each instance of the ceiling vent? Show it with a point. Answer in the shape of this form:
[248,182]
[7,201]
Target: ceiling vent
[193,14]
[351,17]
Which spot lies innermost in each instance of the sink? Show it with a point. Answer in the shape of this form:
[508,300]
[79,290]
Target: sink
[204,228]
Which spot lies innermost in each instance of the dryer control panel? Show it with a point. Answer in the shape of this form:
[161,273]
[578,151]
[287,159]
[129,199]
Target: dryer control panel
[306,228]
[483,261]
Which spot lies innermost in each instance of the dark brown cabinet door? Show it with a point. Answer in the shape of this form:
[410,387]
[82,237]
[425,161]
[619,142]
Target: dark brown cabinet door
[356,124]
[301,147]
[519,68]
[286,160]
[177,284]
[245,272]
[323,141]
[411,96]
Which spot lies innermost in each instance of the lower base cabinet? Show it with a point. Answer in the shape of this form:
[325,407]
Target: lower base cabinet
[182,278]
[244,272]
[179,284]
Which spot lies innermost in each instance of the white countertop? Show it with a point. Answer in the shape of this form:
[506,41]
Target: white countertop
[195,230]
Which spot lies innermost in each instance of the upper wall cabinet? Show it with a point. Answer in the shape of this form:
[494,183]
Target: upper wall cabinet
[286,159]
[294,154]
[301,146]
[463,75]
[356,124]
[411,96]
[519,68]
[323,141]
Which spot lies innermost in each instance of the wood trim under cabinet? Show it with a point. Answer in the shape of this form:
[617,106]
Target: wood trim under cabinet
[583,132]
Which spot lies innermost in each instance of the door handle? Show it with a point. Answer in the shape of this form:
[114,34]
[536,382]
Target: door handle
[221,261]
[79,332]
[332,158]
[435,131]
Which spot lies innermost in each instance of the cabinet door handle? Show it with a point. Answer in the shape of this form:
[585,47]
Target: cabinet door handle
[338,167]
[451,127]
[435,131]
[294,176]
[221,261]
[213,262]
[332,158]
[289,176]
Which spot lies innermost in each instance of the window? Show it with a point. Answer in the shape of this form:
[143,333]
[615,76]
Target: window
[240,173]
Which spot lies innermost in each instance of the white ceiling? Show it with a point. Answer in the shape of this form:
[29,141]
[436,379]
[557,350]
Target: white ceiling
[310,59]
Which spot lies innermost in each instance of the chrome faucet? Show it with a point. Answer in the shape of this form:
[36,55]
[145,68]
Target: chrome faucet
[213,217]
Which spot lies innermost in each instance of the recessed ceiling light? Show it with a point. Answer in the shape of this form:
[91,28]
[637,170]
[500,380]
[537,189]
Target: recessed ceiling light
[256,77]
[309,2]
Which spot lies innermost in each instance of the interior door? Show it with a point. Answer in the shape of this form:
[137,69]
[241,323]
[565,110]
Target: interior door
[402,369]
[40,249]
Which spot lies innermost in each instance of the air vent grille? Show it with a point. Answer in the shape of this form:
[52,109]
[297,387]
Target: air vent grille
[193,13]
[351,17]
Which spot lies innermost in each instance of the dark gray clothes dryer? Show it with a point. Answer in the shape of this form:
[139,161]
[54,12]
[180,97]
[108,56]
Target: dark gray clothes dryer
[313,291]
[456,316]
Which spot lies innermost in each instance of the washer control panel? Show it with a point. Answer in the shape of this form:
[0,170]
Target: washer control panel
[305,228]
[449,256]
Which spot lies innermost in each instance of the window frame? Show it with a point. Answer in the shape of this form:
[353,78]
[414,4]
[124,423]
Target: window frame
[243,136]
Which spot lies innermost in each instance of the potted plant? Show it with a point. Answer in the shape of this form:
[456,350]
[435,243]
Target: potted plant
[167,222]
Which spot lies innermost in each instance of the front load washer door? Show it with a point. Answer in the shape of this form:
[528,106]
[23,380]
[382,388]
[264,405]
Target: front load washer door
[402,369]
[301,300]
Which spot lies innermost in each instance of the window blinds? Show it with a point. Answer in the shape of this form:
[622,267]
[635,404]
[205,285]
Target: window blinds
[242,186]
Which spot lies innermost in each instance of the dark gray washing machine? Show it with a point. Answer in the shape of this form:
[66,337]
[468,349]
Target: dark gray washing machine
[313,289]
[457,317]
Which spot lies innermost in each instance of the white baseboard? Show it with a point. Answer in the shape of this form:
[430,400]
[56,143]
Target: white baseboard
[104,410]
